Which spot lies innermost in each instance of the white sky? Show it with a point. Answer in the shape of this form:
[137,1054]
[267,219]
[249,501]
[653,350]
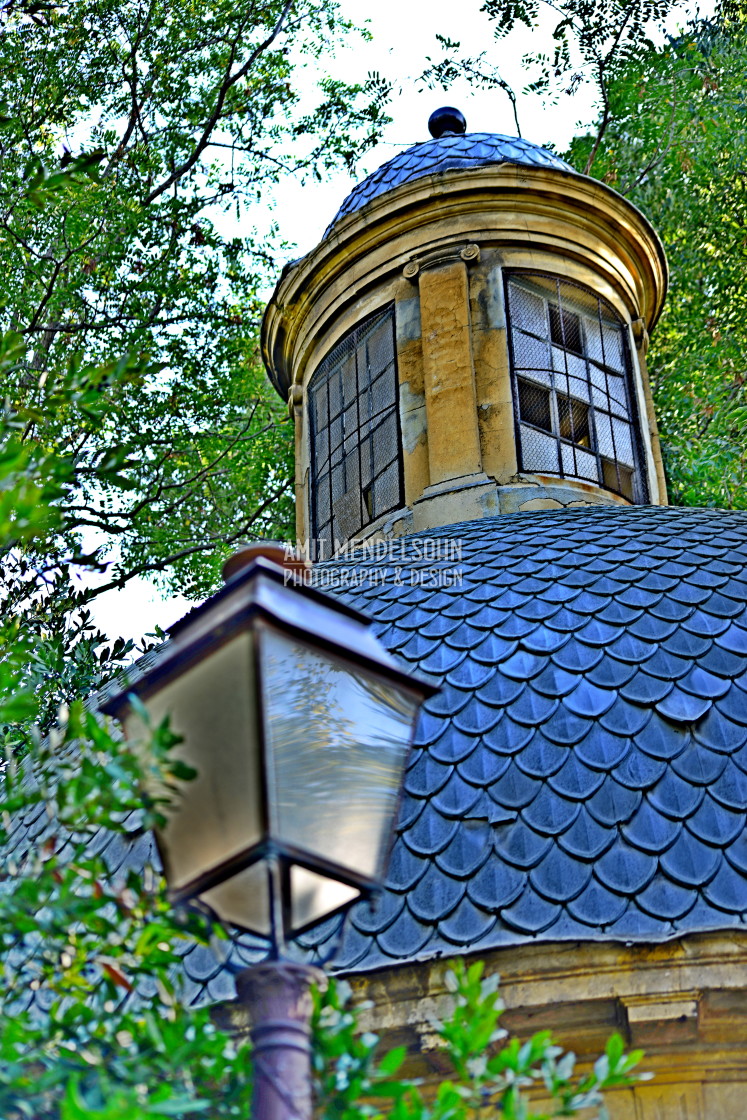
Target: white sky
[403,35]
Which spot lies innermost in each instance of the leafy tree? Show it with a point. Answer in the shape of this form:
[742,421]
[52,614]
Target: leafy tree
[131,296]
[191,113]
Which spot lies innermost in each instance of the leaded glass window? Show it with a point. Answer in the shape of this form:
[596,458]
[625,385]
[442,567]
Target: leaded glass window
[574,404]
[355,438]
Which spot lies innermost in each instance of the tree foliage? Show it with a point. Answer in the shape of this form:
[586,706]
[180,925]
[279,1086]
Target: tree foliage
[188,114]
[675,145]
[135,140]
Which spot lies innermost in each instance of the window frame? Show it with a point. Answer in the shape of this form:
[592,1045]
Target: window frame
[354,342]
[638,494]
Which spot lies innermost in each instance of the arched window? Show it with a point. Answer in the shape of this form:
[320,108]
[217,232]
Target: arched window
[574,404]
[355,439]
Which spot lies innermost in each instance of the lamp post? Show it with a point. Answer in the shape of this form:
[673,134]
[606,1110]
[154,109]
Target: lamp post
[298,723]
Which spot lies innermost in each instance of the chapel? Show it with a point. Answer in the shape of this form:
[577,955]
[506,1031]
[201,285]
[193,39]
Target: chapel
[478,469]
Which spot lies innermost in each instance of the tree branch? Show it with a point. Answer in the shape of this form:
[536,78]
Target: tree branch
[228,82]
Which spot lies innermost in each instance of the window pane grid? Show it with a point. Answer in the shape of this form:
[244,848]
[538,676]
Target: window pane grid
[355,439]
[572,385]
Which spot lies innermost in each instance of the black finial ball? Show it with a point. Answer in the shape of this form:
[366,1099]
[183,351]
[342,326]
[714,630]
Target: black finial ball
[447,121]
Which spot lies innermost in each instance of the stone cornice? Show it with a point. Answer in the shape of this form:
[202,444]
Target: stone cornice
[519,209]
[684,1001]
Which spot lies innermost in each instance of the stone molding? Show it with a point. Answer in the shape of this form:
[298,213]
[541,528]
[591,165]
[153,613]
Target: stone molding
[522,210]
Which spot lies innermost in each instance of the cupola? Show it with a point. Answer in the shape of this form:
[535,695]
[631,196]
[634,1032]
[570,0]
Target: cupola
[468,339]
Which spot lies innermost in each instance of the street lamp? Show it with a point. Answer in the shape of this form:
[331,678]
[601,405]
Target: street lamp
[298,723]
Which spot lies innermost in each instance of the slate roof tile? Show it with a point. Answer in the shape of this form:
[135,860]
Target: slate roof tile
[734,638]
[714,824]
[430,833]
[452,746]
[687,645]
[597,907]
[576,657]
[405,868]
[719,732]
[675,797]
[532,708]
[664,740]
[560,877]
[483,767]
[587,838]
[406,936]
[495,886]
[689,861]
[644,689]
[631,649]
[515,789]
[469,674]
[544,641]
[689,593]
[457,797]
[567,728]
[736,853]
[523,665]
[625,869]
[610,673]
[649,830]
[467,850]
[531,914]
[624,718]
[550,814]
[705,625]
[617,614]
[589,701]
[699,764]
[723,662]
[726,890]
[639,770]
[435,895]
[476,718]
[541,758]
[600,750]
[701,683]
[664,899]
[448,152]
[733,706]
[613,803]
[730,789]
[467,924]
[518,845]
[670,610]
[508,737]
[575,780]
[554,681]
[635,925]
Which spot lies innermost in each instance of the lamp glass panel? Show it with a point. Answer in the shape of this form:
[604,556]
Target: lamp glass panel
[314,896]
[337,738]
[218,815]
[244,899]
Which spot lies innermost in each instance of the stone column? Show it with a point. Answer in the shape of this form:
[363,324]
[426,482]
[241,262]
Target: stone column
[448,367]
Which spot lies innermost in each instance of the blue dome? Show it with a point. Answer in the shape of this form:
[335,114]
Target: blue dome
[448,153]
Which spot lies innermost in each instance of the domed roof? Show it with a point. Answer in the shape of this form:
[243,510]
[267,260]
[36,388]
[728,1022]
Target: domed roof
[446,153]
